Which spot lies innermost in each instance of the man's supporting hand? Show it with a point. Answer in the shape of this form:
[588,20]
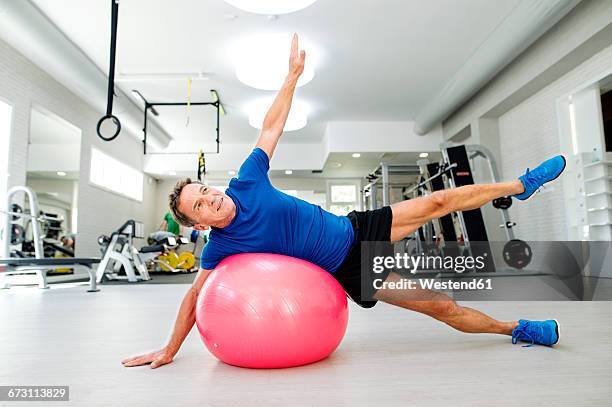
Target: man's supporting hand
[155,359]
[183,324]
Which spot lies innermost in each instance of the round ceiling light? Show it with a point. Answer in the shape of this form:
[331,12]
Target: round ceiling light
[262,61]
[298,116]
[270,7]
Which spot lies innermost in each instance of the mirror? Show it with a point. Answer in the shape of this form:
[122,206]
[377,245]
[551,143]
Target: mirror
[54,152]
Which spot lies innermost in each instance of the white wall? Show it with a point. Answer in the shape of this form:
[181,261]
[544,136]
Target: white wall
[347,137]
[24,84]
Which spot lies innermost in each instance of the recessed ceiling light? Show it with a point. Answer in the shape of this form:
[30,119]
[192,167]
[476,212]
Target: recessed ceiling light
[288,172]
[335,165]
[171,172]
[61,173]
[424,155]
[271,6]
[261,60]
[231,172]
[356,155]
[298,116]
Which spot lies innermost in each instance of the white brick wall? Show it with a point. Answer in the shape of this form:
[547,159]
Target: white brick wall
[529,133]
[23,84]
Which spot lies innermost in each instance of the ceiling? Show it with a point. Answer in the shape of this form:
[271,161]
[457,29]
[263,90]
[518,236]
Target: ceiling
[52,175]
[338,165]
[377,60]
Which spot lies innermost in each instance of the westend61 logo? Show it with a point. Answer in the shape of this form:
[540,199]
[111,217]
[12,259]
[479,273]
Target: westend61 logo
[402,263]
[414,264]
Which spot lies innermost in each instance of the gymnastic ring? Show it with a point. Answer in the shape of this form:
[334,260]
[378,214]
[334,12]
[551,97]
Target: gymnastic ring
[117,124]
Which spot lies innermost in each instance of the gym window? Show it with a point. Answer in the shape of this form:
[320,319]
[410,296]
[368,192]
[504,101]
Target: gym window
[343,198]
[115,176]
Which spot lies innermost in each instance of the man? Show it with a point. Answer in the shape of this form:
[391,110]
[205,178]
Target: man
[253,216]
[169,225]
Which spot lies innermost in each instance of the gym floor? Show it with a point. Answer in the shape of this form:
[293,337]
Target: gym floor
[66,336]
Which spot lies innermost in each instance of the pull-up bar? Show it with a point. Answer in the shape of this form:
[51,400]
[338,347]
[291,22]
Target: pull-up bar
[151,106]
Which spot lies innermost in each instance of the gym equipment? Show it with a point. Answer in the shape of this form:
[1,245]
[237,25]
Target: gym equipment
[261,310]
[17,210]
[168,261]
[193,237]
[517,254]
[49,228]
[167,258]
[502,203]
[17,234]
[40,266]
[10,217]
[382,174]
[201,166]
[151,106]
[120,253]
[186,261]
[111,77]
[460,228]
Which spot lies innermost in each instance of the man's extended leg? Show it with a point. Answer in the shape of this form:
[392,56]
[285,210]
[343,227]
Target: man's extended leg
[409,215]
[443,308]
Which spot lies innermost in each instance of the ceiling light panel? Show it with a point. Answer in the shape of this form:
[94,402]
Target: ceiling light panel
[262,61]
[271,7]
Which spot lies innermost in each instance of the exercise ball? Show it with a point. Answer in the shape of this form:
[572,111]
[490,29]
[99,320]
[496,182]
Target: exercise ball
[261,310]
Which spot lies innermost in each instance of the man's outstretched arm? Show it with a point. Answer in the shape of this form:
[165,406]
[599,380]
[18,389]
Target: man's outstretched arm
[184,322]
[275,119]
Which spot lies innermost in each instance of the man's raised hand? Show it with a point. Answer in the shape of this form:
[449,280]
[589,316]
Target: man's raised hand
[296,58]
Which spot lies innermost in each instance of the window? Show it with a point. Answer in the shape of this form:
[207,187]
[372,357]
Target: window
[344,193]
[343,198]
[113,175]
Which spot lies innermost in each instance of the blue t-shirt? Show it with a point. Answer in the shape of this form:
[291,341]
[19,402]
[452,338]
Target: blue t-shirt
[270,221]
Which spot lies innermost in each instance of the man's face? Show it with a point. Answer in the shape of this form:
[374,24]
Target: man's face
[206,206]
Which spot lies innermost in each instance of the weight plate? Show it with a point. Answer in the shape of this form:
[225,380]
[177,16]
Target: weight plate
[17,234]
[186,261]
[517,254]
[171,259]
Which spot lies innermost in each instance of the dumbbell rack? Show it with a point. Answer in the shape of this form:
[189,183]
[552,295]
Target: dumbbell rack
[5,248]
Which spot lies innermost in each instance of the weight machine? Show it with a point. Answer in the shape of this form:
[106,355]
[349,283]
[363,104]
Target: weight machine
[456,233]
[120,253]
[38,264]
[381,178]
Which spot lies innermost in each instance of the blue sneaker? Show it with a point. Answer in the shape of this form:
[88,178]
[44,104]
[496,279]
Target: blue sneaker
[545,172]
[540,332]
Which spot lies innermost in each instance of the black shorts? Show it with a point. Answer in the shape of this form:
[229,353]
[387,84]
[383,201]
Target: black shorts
[373,226]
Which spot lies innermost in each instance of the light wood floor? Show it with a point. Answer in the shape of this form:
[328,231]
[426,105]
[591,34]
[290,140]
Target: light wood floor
[390,357]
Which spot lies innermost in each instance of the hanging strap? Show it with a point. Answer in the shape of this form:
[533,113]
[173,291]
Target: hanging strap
[188,100]
[111,76]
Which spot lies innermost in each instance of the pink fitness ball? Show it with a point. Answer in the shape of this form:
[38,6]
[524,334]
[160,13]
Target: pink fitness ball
[261,310]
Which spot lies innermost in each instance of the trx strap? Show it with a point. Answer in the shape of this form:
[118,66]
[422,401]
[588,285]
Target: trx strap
[201,165]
